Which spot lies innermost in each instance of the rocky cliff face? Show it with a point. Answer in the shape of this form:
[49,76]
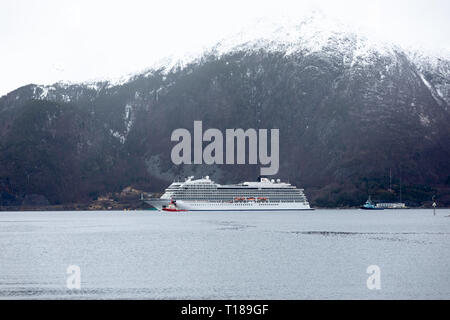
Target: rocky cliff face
[349,113]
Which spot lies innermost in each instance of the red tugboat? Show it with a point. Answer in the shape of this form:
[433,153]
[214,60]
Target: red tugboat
[172,207]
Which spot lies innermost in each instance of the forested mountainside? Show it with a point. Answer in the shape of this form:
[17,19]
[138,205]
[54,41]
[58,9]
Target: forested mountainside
[349,113]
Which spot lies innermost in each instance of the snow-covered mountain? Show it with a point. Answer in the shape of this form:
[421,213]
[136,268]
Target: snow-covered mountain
[349,108]
[316,33]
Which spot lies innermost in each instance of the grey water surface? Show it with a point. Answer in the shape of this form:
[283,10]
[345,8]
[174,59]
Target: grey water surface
[321,254]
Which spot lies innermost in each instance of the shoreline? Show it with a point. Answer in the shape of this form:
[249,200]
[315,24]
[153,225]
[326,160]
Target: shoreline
[141,205]
[89,206]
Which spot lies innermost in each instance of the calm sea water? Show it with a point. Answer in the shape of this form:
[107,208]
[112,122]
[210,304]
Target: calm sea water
[322,254]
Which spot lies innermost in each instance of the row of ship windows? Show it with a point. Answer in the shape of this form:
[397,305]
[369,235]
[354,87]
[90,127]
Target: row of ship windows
[245,203]
[193,187]
[238,196]
[230,198]
[235,190]
[238,193]
[243,192]
[235,204]
[230,189]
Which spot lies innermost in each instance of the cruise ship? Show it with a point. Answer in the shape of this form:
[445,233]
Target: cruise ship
[206,195]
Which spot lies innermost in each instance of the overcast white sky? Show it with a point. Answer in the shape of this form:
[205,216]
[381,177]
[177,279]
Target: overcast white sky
[44,41]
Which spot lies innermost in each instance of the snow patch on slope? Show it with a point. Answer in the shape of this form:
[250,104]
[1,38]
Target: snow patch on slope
[118,135]
[434,70]
[128,118]
[424,120]
[435,93]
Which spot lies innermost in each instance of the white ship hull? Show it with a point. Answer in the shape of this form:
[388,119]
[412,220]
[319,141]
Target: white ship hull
[223,206]
[249,206]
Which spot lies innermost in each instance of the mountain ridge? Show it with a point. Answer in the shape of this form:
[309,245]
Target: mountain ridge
[347,117]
